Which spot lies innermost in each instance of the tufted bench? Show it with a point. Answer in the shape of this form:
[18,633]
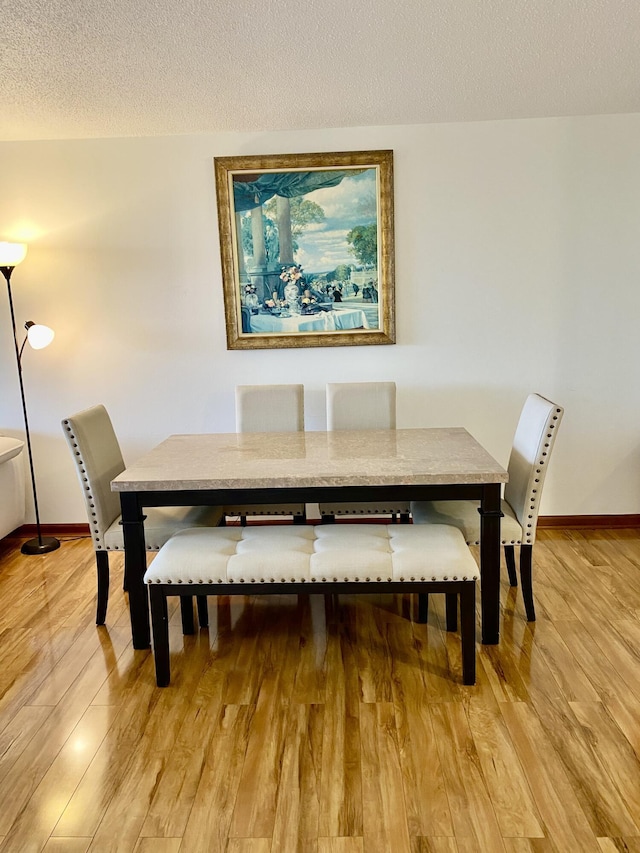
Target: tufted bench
[329,558]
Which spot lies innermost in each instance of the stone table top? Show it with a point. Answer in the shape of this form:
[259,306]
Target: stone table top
[437,456]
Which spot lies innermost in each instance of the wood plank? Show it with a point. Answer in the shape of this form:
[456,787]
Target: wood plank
[619,845]
[504,776]
[615,753]
[340,845]
[177,788]
[472,812]
[310,678]
[128,806]
[18,734]
[426,801]
[298,802]
[565,668]
[385,823]
[556,799]
[530,845]
[20,783]
[341,774]
[67,845]
[372,655]
[40,814]
[249,845]
[255,809]
[207,829]
[420,844]
[158,845]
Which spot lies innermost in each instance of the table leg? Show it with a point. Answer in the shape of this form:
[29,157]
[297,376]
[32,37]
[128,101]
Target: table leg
[490,514]
[135,563]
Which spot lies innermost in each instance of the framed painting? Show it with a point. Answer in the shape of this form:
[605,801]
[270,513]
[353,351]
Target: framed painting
[307,249]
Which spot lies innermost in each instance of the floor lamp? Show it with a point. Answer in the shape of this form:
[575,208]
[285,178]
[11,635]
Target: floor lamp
[12,254]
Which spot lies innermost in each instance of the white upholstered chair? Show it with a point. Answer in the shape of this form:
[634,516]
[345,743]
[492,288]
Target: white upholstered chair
[362,405]
[533,442]
[98,459]
[269,408]
[12,484]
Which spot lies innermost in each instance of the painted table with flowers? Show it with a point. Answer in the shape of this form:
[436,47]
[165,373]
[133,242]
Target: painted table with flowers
[336,319]
[297,307]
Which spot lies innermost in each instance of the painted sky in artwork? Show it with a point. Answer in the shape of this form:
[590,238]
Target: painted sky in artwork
[353,202]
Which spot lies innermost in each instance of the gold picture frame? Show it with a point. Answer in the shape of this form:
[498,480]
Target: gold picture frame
[307,249]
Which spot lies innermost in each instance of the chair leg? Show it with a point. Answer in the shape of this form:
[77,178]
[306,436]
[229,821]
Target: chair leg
[328,519]
[160,629]
[243,521]
[203,611]
[186,611]
[102,567]
[526,561]
[510,557]
[468,631]
[451,610]
[405,518]
[300,519]
[423,607]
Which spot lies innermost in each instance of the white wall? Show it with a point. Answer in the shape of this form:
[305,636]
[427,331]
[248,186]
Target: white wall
[517,261]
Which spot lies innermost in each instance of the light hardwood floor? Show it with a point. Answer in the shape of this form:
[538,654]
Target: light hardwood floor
[329,727]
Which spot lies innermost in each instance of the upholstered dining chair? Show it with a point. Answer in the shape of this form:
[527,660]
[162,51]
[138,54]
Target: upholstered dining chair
[269,408]
[362,405]
[98,459]
[533,442]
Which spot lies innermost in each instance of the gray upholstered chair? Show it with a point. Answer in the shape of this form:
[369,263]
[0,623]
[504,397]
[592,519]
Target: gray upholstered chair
[530,454]
[269,408]
[98,459]
[362,405]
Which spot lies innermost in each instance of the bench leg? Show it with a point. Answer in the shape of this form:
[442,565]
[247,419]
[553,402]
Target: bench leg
[468,631]
[203,611]
[510,559]
[186,611]
[160,630]
[423,607]
[451,611]
[102,567]
[526,560]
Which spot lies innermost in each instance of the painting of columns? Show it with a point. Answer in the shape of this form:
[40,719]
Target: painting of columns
[309,249]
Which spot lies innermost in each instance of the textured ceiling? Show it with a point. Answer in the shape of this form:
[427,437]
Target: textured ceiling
[94,68]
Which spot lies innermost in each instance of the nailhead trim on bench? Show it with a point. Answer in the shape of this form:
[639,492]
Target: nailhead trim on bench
[243,560]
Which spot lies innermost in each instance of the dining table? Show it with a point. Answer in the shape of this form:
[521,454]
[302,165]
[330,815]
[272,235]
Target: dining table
[217,469]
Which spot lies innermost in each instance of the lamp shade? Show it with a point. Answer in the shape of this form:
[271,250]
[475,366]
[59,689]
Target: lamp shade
[39,336]
[11,254]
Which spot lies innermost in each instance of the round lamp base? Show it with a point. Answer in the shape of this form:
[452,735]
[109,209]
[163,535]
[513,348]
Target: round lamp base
[40,546]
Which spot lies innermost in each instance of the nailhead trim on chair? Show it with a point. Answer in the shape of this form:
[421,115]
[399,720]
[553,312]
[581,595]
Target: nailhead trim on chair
[95,533]
[528,532]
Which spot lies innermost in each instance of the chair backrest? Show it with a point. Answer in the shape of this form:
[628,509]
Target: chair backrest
[530,454]
[269,408]
[361,405]
[98,459]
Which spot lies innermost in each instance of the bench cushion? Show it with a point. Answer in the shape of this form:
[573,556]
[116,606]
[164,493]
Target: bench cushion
[326,553]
